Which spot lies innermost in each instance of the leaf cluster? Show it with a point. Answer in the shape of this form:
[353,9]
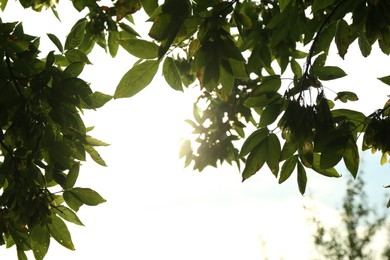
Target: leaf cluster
[43,139]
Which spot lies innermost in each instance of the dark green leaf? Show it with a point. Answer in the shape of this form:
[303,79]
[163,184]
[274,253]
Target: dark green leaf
[364,45]
[253,140]
[321,4]
[319,63]
[342,37]
[73,70]
[385,80]
[289,148]
[140,48]
[344,96]
[72,176]
[287,168]
[330,73]
[268,84]
[59,231]
[171,74]
[136,79]
[302,178]
[296,68]
[270,114]
[333,153]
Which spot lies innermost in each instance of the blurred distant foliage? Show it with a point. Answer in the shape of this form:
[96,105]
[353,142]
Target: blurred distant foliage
[237,53]
[353,239]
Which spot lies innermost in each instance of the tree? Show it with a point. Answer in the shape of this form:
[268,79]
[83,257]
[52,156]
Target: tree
[360,222]
[235,51]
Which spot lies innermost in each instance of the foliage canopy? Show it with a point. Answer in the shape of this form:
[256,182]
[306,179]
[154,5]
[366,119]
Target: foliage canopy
[235,51]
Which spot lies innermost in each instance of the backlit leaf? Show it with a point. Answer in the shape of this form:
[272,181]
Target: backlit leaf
[287,168]
[136,79]
[255,160]
[253,140]
[351,157]
[330,172]
[270,114]
[72,176]
[171,74]
[321,4]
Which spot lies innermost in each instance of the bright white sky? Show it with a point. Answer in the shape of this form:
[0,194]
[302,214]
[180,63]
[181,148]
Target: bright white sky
[155,209]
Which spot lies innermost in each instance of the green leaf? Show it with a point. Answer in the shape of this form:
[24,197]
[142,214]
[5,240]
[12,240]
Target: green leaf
[72,176]
[318,63]
[351,157]
[68,215]
[321,4]
[136,79]
[113,44]
[287,168]
[76,35]
[75,55]
[3,4]
[283,4]
[140,48]
[289,148]
[227,82]
[72,201]
[364,45]
[270,114]
[171,74]
[87,196]
[256,160]
[273,154]
[238,69]
[330,73]
[149,6]
[59,231]
[98,99]
[21,254]
[302,178]
[95,142]
[385,80]
[296,68]
[56,42]
[345,96]
[40,241]
[253,140]
[95,155]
